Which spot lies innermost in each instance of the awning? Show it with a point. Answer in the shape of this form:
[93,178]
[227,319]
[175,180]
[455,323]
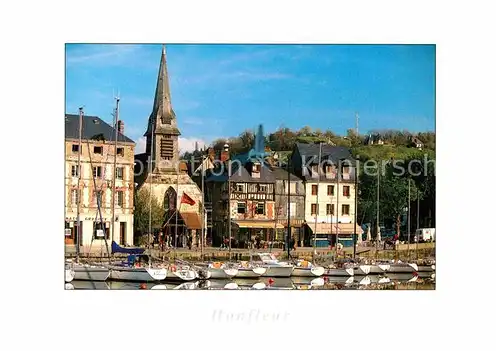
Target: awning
[328,228]
[191,219]
[258,224]
[348,228]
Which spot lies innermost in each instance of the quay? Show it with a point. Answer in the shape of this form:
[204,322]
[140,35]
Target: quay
[400,252]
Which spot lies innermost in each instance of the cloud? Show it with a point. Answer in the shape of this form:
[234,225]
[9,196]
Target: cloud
[108,54]
[195,121]
[140,145]
[188,144]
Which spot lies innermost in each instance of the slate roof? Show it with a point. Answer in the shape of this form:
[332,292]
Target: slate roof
[280,173]
[239,173]
[91,126]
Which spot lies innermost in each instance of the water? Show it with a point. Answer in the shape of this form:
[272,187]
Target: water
[371,282]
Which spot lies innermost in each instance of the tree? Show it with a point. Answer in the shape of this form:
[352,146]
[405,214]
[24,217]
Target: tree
[141,211]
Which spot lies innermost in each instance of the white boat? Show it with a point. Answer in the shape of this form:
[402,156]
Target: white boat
[380,268]
[346,280]
[246,270]
[69,273]
[359,269]
[180,273]
[401,267]
[219,270]
[275,268]
[305,268]
[91,272]
[137,274]
[339,272]
[426,268]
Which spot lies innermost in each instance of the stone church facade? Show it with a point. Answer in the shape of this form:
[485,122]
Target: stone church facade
[166,175]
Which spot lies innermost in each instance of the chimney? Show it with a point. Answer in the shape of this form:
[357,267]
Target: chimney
[224,155]
[121,127]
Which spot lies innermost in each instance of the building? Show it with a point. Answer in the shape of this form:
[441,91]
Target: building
[166,175]
[241,191]
[374,139]
[95,179]
[415,142]
[297,203]
[329,202]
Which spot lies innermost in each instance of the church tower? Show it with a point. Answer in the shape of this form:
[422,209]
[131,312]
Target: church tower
[162,134]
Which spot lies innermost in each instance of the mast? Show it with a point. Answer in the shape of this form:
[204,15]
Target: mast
[409,217]
[288,199]
[80,124]
[202,201]
[113,173]
[229,203]
[317,204]
[150,187]
[355,241]
[177,208]
[339,169]
[378,206]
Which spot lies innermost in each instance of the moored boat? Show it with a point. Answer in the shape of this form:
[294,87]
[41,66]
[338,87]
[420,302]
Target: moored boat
[219,270]
[275,268]
[69,273]
[180,273]
[246,270]
[401,267]
[339,272]
[426,268]
[305,268]
[91,272]
[379,268]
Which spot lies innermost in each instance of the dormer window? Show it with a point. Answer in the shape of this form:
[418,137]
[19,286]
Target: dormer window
[256,168]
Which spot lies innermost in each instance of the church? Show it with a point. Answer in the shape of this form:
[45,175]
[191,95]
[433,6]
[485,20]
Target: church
[161,170]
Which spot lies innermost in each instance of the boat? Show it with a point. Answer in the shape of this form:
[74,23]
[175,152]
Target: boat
[305,268]
[402,267]
[275,268]
[426,268]
[180,273]
[137,267]
[69,273]
[90,285]
[219,270]
[339,272]
[379,268]
[359,269]
[346,280]
[246,270]
[91,272]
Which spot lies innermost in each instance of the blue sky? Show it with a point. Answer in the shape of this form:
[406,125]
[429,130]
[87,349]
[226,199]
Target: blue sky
[221,90]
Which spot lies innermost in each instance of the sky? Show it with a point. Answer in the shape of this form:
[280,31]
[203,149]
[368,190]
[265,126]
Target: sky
[218,90]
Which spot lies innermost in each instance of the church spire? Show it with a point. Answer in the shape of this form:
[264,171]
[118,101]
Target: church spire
[162,107]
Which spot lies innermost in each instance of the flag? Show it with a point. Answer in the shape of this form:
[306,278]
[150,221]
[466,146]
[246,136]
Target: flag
[187,200]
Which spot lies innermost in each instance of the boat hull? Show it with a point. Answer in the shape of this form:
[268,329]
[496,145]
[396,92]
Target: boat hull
[138,274]
[99,274]
[69,275]
[379,268]
[221,273]
[339,272]
[244,272]
[308,272]
[181,275]
[426,268]
[362,269]
[402,268]
[278,271]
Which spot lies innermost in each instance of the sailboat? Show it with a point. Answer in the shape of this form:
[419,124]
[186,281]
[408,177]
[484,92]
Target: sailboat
[274,267]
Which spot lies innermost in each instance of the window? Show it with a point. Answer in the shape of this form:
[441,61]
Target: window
[167,148]
[262,188]
[98,150]
[345,172]
[74,196]
[345,210]
[74,171]
[314,190]
[329,209]
[239,188]
[293,187]
[293,207]
[260,209]
[330,190]
[97,172]
[242,207]
[313,209]
[119,173]
[347,190]
[119,198]
[256,168]
[75,147]
[120,151]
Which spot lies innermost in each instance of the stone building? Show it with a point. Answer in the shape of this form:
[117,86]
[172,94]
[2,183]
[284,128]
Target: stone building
[329,203]
[166,175]
[96,179]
